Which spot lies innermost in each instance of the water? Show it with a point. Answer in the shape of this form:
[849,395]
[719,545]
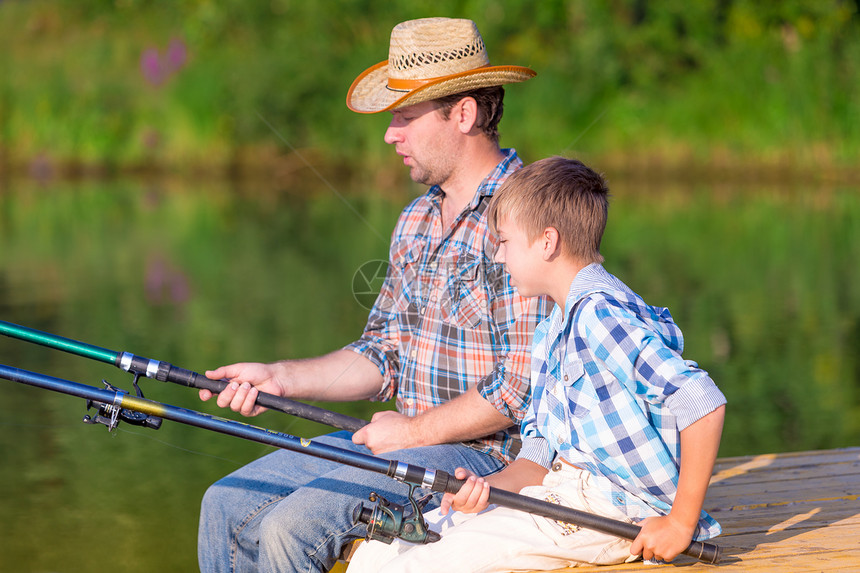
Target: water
[761,278]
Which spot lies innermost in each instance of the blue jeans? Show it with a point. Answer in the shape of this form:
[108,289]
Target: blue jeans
[289,511]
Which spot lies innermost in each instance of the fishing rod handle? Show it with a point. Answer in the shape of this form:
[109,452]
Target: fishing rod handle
[706,552]
[166,372]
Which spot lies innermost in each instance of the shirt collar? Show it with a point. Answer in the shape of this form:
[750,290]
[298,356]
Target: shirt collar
[509,163]
[589,279]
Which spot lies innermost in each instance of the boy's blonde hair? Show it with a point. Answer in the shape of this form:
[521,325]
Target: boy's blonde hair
[556,192]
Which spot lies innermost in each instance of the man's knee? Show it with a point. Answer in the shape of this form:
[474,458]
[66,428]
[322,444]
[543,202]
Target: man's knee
[213,501]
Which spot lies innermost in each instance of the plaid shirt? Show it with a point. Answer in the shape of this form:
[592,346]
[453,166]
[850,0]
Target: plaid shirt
[611,394]
[447,317]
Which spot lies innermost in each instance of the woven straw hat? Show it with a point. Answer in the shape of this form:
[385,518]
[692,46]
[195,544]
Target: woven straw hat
[428,59]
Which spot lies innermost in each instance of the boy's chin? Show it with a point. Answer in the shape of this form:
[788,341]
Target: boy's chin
[522,291]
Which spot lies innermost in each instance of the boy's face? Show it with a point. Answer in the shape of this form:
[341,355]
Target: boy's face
[522,258]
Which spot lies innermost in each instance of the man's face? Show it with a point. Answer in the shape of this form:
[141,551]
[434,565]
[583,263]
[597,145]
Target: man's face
[426,142]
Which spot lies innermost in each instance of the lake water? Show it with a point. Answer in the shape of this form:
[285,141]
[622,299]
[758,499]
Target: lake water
[762,278]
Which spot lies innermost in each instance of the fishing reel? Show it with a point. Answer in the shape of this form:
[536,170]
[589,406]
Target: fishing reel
[111,415]
[387,521]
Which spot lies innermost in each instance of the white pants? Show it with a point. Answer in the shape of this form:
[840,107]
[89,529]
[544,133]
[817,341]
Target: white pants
[502,539]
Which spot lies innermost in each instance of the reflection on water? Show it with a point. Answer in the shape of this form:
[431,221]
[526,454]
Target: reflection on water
[761,280]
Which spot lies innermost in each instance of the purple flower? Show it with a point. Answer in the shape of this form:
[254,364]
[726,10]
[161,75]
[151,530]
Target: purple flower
[177,53]
[151,67]
[157,67]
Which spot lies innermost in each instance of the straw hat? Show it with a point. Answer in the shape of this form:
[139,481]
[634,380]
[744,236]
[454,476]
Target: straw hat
[428,59]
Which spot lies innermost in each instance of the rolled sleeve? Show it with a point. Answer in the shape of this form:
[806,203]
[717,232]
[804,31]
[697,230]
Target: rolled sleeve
[536,449]
[380,341]
[695,399]
[507,387]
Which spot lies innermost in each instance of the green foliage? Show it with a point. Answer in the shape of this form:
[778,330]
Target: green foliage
[749,79]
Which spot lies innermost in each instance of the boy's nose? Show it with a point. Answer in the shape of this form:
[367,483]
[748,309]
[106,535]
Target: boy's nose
[499,257]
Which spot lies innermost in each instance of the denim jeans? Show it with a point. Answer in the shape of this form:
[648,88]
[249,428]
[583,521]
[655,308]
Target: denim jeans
[289,511]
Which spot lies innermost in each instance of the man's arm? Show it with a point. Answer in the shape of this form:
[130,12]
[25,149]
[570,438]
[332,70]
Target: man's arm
[466,417]
[667,536]
[339,376]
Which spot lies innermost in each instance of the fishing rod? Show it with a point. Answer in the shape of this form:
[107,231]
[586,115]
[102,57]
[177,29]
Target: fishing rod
[384,522]
[166,372]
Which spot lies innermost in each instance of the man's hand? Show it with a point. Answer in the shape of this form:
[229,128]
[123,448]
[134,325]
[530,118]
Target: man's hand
[246,381]
[388,431]
[662,538]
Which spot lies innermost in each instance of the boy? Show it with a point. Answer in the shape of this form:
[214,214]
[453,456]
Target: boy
[619,424]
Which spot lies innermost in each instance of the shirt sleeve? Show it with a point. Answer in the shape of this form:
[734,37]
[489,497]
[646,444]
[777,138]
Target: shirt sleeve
[380,341]
[535,447]
[656,372]
[507,386]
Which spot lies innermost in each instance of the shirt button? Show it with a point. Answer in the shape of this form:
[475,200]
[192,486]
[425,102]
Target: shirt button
[556,467]
[409,402]
[560,440]
[566,378]
[414,353]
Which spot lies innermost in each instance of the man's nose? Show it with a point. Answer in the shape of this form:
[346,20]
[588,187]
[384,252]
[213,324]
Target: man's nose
[392,134]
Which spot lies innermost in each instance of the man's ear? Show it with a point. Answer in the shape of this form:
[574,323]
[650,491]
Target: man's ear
[467,114]
[551,245]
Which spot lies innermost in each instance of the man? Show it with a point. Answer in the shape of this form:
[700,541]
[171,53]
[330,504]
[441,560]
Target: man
[448,335]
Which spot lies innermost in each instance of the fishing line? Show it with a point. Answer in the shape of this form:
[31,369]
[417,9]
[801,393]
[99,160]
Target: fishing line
[180,448]
[584,131]
[321,178]
[69,425]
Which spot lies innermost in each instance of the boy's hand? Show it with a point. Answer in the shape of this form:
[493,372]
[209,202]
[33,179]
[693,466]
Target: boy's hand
[662,538]
[472,497]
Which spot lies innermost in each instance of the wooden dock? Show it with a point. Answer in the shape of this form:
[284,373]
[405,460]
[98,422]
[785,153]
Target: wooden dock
[780,512]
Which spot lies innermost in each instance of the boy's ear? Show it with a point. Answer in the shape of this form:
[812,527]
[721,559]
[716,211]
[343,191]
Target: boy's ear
[551,245]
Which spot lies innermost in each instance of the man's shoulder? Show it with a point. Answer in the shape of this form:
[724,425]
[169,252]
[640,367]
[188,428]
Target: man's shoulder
[415,211]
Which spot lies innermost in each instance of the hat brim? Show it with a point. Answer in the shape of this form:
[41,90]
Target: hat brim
[369,93]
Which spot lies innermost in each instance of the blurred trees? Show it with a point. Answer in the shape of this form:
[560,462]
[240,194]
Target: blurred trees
[736,78]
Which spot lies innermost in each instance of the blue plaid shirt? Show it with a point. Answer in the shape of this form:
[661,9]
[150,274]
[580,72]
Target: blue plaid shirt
[611,393]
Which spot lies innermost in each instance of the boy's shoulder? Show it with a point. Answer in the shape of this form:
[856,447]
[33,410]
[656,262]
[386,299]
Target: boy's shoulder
[610,310]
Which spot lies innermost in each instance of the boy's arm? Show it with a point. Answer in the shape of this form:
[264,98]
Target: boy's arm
[664,537]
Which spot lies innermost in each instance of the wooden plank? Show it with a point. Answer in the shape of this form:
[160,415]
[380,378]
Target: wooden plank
[797,511]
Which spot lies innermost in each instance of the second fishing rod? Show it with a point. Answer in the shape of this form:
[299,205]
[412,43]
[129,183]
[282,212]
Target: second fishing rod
[387,520]
[166,372]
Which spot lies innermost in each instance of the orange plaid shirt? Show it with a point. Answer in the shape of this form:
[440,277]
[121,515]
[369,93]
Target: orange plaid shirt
[447,317]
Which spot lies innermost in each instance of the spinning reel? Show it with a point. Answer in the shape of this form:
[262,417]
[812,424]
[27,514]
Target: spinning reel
[111,415]
[387,521]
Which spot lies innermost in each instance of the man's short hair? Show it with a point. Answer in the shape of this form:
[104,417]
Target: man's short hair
[490,108]
[556,192]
